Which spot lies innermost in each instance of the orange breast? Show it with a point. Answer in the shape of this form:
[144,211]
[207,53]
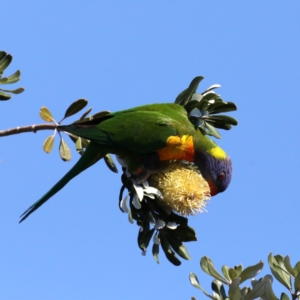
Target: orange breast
[178,148]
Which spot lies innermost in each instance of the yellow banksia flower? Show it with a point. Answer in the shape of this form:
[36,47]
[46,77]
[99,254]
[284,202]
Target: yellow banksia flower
[184,190]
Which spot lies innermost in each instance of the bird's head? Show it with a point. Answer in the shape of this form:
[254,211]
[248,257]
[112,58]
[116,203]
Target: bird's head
[216,169]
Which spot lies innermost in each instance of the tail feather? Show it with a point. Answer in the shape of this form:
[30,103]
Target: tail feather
[91,155]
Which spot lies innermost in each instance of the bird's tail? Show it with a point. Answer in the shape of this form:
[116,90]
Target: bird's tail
[91,155]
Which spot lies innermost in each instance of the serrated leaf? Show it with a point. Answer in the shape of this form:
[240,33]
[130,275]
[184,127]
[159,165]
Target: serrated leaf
[208,267]
[46,115]
[110,163]
[64,150]
[4,96]
[251,271]
[75,107]
[288,266]
[155,252]
[48,143]
[5,62]
[284,296]
[11,79]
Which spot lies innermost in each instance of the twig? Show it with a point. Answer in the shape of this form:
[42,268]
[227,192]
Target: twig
[31,128]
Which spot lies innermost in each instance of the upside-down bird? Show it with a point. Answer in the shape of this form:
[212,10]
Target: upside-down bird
[145,139]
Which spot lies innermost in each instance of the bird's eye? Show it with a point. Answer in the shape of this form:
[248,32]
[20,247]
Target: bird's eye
[221,176]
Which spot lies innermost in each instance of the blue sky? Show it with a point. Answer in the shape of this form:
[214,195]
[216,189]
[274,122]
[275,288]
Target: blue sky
[121,54]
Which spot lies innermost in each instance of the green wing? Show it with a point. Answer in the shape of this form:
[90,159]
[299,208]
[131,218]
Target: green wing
[137,131]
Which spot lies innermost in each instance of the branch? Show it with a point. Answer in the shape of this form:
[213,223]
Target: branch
[31,128]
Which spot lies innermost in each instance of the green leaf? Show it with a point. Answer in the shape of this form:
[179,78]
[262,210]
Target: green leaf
[212,87]
[269,294]
[85,114]
[297,283]
[191,105]
[234,291]
[238,269]
[284,296]
[15,91]
[4,96]
[287,264]
[195,283]
[48,144]
[277,267]
[101,114]
[170,254]
[186,233]
[46,115]
[78,145]
[257,291]
[178,247]
[75,107]
[297,268]
[211,130]
[223,119]
[12,78]
[208,267]
[64,150]
[144,238]
[155,252]
[218,288]
[251,271]
[233,274]
[5,62]
[187,94]
[2,54]
[222,107]
[110,163]
[225,271]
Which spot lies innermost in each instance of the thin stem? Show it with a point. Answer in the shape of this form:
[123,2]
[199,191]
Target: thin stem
[31,128]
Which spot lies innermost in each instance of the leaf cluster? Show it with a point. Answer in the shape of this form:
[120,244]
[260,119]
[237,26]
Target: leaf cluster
[262,288]
[5,60]
[203,108]
[80,143]
[167,229]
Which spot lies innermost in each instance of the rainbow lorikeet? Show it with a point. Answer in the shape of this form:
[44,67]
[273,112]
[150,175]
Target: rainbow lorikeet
[145,139]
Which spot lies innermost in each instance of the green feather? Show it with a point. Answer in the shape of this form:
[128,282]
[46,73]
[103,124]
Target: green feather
[141,130]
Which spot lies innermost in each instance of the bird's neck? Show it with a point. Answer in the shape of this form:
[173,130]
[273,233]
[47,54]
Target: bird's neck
[207,145]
